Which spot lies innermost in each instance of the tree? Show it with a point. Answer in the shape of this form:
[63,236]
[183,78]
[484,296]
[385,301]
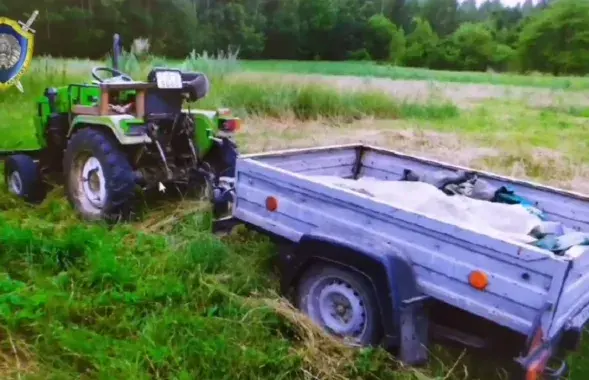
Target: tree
[442,15]
[527,7]
[317,19]
[421,45]
[469,12]
[444,34]
[472,47]
[476,46]
[555,40]
[397,46]
[282,29]
[347,37]
[231,26]
[384,41]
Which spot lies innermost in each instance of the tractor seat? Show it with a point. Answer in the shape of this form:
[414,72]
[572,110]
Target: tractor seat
[196,85]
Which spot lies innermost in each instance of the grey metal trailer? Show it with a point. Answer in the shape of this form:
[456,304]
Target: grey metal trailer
[407,276]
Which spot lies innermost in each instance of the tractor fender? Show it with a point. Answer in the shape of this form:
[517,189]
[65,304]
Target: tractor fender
[205,127]
[112,123]
[391,275]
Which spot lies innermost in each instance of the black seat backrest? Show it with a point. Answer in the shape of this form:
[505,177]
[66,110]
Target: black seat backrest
[196,84]
[162,103]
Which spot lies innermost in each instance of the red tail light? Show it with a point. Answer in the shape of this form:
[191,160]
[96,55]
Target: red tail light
[231,125]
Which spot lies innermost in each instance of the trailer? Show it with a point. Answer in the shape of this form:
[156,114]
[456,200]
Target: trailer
[378,272]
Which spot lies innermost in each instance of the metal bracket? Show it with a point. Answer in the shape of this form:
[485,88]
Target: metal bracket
[414,331]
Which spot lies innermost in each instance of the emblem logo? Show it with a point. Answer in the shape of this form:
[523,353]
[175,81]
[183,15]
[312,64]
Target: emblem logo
[16,50]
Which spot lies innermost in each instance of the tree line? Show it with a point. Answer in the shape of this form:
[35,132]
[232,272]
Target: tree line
[546,35]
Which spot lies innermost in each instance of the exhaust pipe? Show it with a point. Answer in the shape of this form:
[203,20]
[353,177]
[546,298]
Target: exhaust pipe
[116,50]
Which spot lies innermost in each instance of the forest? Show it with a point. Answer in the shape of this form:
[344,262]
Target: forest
[545,36]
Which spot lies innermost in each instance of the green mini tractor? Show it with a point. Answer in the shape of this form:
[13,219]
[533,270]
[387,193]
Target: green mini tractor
[104,140]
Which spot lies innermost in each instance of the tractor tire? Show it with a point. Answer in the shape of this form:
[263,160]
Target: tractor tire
[99,180]
[23,178]
[328,294]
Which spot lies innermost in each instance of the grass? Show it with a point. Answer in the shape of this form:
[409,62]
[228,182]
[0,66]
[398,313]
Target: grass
[365,69]
[311,101]
[163,298]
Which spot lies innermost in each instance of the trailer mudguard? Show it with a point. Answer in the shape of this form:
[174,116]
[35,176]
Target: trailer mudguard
[391,276]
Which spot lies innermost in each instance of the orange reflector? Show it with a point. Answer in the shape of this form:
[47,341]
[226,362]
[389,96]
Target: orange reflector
[232,125]
[271,204]
[478,280]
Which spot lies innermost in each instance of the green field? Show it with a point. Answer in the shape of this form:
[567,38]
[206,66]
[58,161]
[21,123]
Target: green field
[373,69]
[162,298]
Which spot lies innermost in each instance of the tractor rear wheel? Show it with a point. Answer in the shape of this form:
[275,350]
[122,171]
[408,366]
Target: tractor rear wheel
[99,182]
[23,178]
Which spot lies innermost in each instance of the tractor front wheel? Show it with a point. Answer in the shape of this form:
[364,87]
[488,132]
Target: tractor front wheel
[99,182]
[23,179]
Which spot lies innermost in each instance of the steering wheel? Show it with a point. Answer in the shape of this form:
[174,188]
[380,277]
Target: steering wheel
[115,74]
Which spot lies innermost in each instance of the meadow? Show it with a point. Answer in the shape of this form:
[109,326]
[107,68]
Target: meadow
[379,70]
[163,298]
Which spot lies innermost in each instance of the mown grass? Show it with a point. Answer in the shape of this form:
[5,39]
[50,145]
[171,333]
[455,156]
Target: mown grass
[513,126]
[372,69]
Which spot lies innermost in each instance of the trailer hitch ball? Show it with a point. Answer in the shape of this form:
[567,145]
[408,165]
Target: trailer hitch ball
[217,195]
[221,195]
[139,178]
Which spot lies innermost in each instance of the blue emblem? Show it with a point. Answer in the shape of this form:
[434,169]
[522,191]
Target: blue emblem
[16,50]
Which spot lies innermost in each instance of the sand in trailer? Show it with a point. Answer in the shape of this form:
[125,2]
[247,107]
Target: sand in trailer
[511,222]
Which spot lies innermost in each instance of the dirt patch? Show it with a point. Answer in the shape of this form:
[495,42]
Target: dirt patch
[465,95]
[539,164]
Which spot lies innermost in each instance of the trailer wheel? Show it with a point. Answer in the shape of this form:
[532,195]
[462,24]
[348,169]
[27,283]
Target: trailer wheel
[342,302]
[23,178]
[99,178]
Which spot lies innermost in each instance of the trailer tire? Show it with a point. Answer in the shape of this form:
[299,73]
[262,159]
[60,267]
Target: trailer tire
[325,292]
[23,178]
[109,188]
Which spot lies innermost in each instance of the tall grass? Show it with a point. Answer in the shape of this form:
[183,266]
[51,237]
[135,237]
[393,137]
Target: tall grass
[219,65]
[311,101]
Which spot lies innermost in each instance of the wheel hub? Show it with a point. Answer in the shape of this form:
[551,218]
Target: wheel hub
[15,183]
[341,309]
[93,183]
